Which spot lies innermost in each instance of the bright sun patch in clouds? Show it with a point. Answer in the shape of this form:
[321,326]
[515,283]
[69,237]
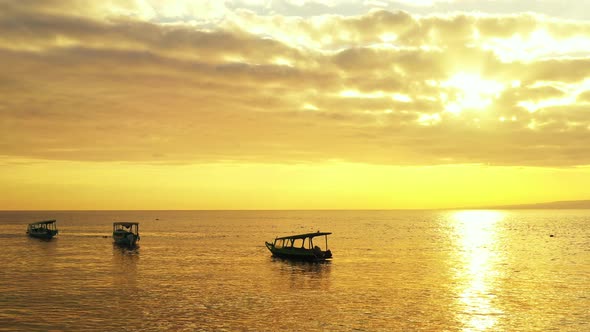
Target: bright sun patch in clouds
[429,119]
[401,97]
[281,83]
[310,107]
[569,95]
[470,92]
[538,44]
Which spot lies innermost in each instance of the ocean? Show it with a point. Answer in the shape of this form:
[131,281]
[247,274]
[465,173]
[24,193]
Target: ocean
[431,270]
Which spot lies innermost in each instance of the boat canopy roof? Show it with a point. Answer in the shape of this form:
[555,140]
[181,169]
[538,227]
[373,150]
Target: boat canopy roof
[304,236]
[125,224]
[43,222]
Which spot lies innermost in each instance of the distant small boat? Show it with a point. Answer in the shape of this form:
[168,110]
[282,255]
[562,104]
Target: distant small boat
[42,229]
[126,233]
[300,247]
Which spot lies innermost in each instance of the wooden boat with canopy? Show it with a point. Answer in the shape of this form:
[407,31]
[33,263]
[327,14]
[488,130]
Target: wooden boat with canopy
[43,229]
[301,247]
[126,233]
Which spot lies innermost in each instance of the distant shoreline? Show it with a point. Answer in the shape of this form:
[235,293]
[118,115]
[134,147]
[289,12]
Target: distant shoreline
[557,205]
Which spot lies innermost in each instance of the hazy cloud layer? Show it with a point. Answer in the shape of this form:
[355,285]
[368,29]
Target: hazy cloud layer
[127,82]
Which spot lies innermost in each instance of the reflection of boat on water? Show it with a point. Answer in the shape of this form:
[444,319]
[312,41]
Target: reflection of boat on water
[301,247]
[126,233]
[42,229]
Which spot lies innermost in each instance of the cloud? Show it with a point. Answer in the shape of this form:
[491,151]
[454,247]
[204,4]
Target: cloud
[383,87]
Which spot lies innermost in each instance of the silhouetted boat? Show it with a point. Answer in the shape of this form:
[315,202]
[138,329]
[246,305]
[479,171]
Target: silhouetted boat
[42,229]
[300,247]
[126,233]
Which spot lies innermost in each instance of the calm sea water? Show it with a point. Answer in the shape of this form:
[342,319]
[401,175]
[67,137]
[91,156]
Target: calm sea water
[210,271]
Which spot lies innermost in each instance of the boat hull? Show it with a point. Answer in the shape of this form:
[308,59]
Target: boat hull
[299,254]
[125,238]
[43,235]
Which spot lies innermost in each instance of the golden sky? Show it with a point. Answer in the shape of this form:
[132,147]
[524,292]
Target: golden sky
[293,104]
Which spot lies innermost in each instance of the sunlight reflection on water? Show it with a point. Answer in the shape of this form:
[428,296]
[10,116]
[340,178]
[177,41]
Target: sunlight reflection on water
[476,238]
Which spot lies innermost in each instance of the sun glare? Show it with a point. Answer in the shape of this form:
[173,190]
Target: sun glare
[470,91]
[476,236]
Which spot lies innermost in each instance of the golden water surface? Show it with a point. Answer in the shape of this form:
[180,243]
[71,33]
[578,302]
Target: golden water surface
[210,271]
